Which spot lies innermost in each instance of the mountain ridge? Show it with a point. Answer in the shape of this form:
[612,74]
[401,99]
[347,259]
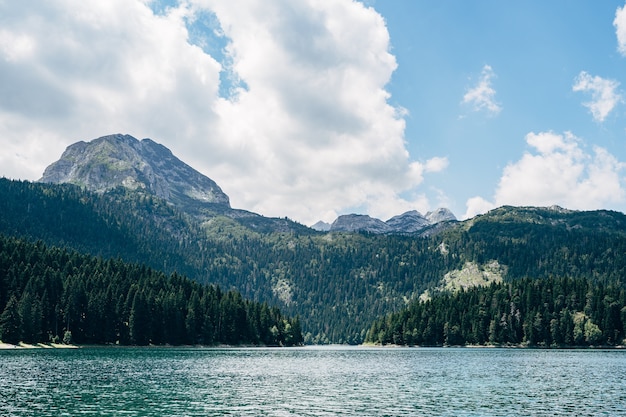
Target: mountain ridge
[410,222]
[336,282]
[145,166]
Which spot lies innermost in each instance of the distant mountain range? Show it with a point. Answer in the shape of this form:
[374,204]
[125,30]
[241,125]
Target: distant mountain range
[146,166]
[411,222]
[133,200]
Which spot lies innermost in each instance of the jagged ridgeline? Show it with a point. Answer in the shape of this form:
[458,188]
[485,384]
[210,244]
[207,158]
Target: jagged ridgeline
[54,295]
[338,282]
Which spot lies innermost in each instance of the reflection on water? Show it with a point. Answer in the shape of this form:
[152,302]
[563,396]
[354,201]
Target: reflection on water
[312,382]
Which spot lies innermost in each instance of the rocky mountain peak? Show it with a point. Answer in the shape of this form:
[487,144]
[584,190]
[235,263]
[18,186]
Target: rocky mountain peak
[411,222]
[321,226]
[122,160]
[360,223]
[440,215]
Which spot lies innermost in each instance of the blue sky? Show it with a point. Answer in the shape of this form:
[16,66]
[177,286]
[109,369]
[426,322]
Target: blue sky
[535,50]
[311,109]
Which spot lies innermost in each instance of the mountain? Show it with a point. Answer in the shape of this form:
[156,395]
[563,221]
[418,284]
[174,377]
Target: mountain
[411,222]
[337,283]
[321,226]
[359,223]
[121,160]
[533,276]
[440,215]
[147,167]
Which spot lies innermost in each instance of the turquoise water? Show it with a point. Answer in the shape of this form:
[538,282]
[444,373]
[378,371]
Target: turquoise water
[312,382]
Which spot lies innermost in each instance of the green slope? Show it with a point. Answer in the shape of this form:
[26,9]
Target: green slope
[338,283]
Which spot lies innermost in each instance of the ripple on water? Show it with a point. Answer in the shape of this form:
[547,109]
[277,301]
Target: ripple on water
[312,382]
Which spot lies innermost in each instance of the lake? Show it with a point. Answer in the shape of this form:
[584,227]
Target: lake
[328,381]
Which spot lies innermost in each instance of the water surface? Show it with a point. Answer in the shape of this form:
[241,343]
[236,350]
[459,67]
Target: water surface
[312,382]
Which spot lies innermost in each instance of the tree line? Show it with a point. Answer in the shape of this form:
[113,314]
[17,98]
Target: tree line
[551,312]
[49,294]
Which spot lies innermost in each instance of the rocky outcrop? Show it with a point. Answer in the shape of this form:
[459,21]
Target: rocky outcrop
[321,226]
[359,223]
[440,215]
[121,160]
[411,222]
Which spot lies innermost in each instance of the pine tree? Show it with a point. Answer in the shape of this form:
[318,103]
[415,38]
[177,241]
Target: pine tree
[10,322]
[138,321]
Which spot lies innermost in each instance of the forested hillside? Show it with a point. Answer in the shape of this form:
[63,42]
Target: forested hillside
[555,312]
[52,295]
[565,283]
[338,283]
[542,242]
[136,227]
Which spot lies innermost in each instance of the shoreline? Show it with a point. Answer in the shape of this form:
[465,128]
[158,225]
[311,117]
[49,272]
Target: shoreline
[22,345]
[26,346]
[564,347]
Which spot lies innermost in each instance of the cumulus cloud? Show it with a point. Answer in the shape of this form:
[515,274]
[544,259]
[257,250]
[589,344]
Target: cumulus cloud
[307,130]
[482,97]
[477,205]
[620,29]
[85,68]
[604,95]
[436,164]
[561,172]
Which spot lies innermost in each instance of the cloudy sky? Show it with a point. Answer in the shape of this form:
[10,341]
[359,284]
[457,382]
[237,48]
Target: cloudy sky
[314,108]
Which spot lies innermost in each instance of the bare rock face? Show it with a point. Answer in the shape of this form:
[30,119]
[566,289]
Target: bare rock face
[121,160]
[359,223]
[321,226]
[409,222]
[440,215]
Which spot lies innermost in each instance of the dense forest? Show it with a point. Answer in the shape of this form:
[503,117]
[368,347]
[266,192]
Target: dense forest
[49,294]
[556,312]
[542,242]
[337,283]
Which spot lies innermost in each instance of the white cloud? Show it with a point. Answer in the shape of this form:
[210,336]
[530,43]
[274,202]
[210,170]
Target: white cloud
[477,205]
[436,164]
[310,135]
[620,29]
[559,172]
[604,95]
[15,46]
[483,96]
[95,68]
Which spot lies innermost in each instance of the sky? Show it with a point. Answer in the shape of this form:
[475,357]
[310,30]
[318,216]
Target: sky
[311,109]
